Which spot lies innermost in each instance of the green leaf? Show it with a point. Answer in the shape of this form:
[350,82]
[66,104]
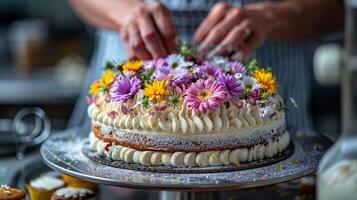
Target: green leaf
[185,49]
[109,66]
[174,99]
[145,102]
[265,95]
[252,65]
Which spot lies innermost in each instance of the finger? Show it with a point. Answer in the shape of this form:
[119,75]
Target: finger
[253,42]
[150,36]
[220,31]
[165,25]
[216,15]
[235,37]
[136,43]
[130,52]
[124,34]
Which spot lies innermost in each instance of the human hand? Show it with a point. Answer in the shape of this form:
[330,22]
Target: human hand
[148,31]
[228,27]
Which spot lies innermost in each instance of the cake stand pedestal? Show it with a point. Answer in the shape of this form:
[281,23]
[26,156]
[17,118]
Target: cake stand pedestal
[63,153]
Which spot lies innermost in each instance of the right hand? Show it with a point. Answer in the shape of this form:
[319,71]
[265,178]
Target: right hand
[148,31]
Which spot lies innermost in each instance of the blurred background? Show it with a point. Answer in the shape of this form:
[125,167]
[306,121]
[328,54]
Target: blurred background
[45,51]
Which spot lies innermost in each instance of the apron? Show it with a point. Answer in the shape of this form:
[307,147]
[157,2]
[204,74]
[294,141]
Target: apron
[288,60]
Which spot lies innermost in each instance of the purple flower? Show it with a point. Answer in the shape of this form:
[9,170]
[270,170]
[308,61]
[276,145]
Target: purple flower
[177,76]
[208,70]
[237,67]
[233,87]
[125,88]
[255,95]
[205,95]
[154,64]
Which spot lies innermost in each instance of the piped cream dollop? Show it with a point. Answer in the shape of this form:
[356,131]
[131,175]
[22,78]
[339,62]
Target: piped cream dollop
[180,120]
[192,159]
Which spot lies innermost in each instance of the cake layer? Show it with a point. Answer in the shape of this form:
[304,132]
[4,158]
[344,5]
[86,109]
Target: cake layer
[191,159]
[190,143]
[182,121]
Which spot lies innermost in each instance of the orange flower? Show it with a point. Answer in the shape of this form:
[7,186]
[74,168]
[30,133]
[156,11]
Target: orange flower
[266,80]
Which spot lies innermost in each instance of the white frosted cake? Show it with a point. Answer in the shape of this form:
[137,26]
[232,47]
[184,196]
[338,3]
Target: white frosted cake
[183,110]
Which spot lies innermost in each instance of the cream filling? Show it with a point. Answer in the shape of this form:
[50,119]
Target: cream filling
[181,120]
[70,192]
[192,159]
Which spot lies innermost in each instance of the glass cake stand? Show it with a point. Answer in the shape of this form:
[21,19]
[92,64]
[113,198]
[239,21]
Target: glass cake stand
[63,153]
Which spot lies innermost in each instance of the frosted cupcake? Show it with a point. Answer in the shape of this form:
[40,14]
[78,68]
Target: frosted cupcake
[79,183]
[42,188]
[7,193]
[69,193]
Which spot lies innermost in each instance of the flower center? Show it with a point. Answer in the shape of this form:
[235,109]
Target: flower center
[205,94]
[171,76]
[249,86]
[175,65]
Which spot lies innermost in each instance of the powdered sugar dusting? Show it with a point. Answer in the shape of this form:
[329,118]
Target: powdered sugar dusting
[304,161]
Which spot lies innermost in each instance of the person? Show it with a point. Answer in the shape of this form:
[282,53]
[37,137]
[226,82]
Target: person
[274,32]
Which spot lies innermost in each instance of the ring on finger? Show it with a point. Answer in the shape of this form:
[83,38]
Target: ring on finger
[247,32]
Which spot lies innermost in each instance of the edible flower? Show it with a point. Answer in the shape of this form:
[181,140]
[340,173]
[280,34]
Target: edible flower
[177,76]
[133,65]
[103,84]
[233,87]
[266,80]
[177,60]
[125,88]
[157,90]
[205,95]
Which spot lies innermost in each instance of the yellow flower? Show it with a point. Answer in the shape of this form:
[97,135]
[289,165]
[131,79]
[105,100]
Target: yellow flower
[157,90]
[103,84]
[133,65]
[266,80]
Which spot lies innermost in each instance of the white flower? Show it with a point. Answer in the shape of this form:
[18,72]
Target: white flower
[267,112]
[149,64]
[195,70]
[177,60]
[250,83]
[238,76]
[219,61]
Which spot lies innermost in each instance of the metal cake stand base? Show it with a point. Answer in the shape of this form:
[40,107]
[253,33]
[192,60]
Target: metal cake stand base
[63,152]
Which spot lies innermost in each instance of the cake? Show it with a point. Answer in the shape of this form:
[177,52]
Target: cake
[187,110]
[7,193]
[70,193]
[43,187]
[79,183]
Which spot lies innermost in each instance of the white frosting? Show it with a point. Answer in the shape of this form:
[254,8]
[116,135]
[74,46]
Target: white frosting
[47,183]
[69,192]
[4,187]
[180,120]
[203,159]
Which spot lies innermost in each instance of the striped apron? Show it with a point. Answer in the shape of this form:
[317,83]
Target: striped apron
[288,59]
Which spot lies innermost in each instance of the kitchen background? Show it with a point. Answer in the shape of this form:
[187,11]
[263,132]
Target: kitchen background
[45,51]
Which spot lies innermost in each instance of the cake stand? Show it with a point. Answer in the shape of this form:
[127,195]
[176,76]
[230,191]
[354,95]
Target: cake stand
[63,152]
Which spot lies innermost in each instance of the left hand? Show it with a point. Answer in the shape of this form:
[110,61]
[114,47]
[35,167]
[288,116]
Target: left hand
[243,29]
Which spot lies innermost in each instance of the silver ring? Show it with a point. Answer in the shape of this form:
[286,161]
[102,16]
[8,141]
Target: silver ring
[247,32]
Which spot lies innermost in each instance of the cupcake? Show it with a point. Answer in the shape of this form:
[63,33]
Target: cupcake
[70,193]
[43,187]
[7,193]
[78,183]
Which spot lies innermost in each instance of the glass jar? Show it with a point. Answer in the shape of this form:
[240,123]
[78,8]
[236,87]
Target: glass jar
[337,173]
